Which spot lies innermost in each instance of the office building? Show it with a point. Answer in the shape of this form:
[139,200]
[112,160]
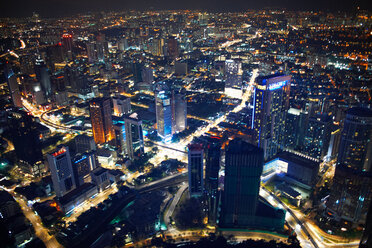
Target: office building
[233,75]
[173,51]
[13,86]
[195,169]
[84,143]
[163,114]
[100,115]
[318,135]
[179,110]
[82,165]
[120,138]
[61,170]
[43,77]
[241,205]
[295,122]
[121,105]
[212,168]
[355,146]
[133,136]
[270,105]
[26,141]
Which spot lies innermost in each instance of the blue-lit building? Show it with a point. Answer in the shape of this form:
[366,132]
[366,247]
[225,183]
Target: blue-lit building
[163,114]
[270,105]
[82,165]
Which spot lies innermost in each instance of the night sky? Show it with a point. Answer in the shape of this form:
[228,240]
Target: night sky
[50,8]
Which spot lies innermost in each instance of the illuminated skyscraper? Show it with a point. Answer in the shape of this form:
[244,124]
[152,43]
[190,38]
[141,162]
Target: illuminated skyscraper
[318,135]
[100,115]
[351,191]
[43,76]
[67,43]
[179,110]
[163,114]
[270,104]
[233,83]
[61,170]
[133,135]
[355,147]
[13,87]
[82,165]
[195,169]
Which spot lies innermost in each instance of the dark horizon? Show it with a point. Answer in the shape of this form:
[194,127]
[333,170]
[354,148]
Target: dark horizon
[53,8]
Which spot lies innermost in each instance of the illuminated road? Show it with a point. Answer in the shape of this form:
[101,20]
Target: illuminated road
[173,205]
[40,231]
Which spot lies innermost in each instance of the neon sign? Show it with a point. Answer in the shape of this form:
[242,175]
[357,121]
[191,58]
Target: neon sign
[277,85]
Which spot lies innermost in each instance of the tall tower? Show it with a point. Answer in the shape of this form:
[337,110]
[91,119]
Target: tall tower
[121,105]
[195,169]
[172,48]
[179,110]
[212,168]
[355,147]
[101,118]
[163,114]
[351,191]
[13,87]
[270,104]
[42,75]
[61,170]
[133,135]
[243,169]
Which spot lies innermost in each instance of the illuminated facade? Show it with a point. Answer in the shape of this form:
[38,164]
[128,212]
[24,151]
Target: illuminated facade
[195,169]
[163,114]
[13,88]
[82,165]
[61,170]
[233,84]
[270,105]
[121,105]
[179,110]
[100,115]
[133,135]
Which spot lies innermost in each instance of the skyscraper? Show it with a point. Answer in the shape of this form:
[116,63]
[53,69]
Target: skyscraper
[270,104]
[100,115]
[195,169]
[179,110]
[233,83]
[163,113]
[67,43]
[120,137]
[173,51]
[355,147]
[351,191]
[26,141]
[61,170]
[13,87]
[42,75]
[243,169]
[82,165]
[133,135]
[212,168]
[318,135]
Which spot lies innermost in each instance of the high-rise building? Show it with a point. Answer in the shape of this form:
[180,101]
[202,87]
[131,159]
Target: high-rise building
[61,170]
[84,143]
[295,122]
[163,113]
[212,168]
[101,118]
[92,52]
[270,105]
[172,48]
[27,145]
[318,135]
[195,169]
[67,43]
[120,137]
[43,76]
[366,240]
[233,83]
[133,135]
[82,165]
[351,190]
[121,105]
[356,147]
[243,169]
[179,110]
[13,87]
